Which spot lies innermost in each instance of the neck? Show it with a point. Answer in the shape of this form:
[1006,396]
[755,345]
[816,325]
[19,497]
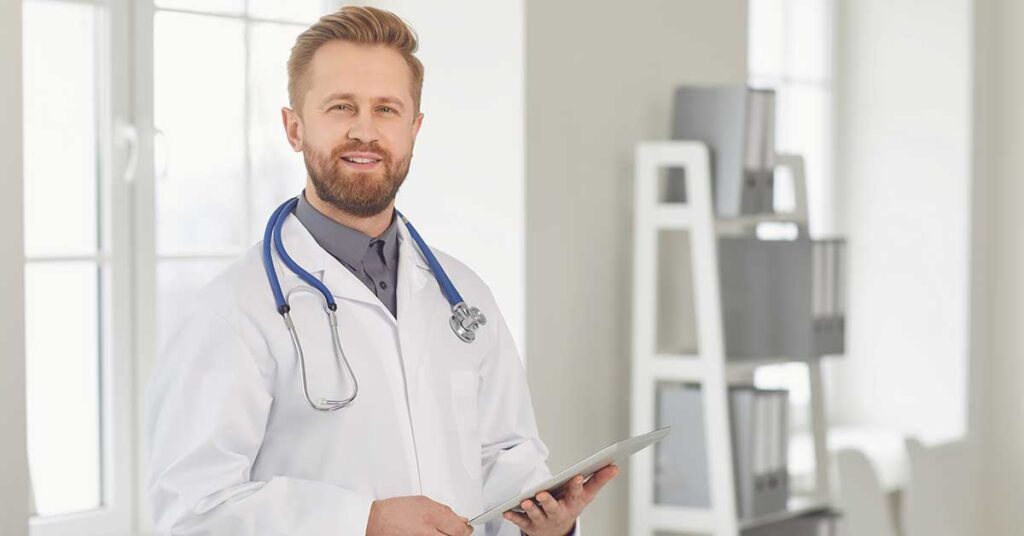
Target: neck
[372,226]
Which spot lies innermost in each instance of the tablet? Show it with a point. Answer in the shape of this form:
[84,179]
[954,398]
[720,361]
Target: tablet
[556,485]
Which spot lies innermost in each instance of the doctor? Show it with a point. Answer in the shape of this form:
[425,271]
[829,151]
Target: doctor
[439,428]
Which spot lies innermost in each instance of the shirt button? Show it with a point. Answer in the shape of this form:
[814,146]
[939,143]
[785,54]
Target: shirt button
[383,285]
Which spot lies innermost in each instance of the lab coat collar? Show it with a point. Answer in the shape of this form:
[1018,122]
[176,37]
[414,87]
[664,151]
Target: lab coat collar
[413,270]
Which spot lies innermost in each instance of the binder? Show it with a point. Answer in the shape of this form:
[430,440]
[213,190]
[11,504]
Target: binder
[742,414]
[771,487]
[760,440]
[681,460]
[738,124]
[760,444]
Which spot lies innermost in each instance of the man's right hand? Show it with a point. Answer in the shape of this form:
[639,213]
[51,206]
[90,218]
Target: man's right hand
[415,516]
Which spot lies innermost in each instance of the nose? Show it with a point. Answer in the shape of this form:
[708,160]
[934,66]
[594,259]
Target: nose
[363,128]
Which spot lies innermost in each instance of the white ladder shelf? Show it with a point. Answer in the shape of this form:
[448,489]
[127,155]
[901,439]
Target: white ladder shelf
[708,367]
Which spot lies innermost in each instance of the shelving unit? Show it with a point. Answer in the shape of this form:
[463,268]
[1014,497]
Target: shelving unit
[708,366]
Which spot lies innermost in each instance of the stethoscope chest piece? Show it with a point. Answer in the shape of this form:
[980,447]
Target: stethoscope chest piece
[465,321]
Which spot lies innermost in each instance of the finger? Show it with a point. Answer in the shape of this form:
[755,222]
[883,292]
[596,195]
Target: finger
[535,513]
[519,520]
[457,529]
[448,511]
[598,481]
[551,507]
[454,525]
[575,493]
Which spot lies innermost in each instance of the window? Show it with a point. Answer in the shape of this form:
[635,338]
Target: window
[790,51]
[223,162]
[74,277]
[111,263]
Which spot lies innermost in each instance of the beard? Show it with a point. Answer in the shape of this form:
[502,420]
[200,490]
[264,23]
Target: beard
[359,193]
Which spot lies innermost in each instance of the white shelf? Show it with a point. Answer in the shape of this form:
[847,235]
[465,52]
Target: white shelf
[709,366]
[798,506]
[673,217]
[679,370]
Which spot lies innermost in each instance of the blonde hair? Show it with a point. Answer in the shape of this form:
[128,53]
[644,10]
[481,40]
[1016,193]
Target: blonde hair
[355,24]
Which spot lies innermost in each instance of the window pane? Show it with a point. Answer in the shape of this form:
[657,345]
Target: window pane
[809,40]
[63,385]
[805,129]
[178,282]
[278,172]
[295,10]
[60,128]
[766,37]
[231,7]
[199,80]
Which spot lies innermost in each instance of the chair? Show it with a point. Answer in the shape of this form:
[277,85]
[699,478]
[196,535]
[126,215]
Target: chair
[860,497]
[938,500]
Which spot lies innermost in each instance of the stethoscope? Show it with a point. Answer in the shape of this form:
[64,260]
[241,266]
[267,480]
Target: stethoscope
[465,320]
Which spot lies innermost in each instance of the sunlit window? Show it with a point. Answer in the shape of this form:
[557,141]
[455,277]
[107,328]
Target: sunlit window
[790,51]
[65,298]
[223,162]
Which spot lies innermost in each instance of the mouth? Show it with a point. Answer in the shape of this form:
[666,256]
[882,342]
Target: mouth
[361,161]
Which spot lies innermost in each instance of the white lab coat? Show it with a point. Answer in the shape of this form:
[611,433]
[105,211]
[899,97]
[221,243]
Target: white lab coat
[235,449]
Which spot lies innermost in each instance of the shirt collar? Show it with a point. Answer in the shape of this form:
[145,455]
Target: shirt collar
[345,243]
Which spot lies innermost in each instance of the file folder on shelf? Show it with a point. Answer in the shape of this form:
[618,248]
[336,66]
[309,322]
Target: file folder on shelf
[681,459]
[759,440]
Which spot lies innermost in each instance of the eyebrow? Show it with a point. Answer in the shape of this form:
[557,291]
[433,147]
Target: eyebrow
[386,99]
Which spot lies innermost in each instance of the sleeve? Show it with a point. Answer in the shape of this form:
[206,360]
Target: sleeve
[514,457]
[207,406]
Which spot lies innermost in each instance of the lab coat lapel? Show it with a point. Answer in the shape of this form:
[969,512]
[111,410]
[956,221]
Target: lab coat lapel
[303,248]
[414,302]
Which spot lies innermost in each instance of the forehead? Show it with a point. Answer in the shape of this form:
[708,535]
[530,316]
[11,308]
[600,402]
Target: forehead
[366,71]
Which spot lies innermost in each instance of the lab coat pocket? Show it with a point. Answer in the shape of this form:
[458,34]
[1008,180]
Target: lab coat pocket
[465,410]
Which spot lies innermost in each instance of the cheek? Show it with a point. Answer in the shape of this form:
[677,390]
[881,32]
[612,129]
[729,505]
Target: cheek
[400,143]
[327,133]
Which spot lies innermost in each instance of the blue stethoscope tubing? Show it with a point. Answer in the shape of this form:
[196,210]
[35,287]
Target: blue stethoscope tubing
[465,320]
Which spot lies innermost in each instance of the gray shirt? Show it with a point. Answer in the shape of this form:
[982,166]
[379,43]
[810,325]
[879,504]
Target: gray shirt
[374,261]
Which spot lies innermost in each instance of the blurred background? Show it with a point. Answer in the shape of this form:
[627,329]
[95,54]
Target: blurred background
[142,150]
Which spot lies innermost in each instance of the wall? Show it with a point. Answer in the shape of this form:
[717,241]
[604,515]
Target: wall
[13,464]
[600,77]
[465,191]
[903,90]
[999,402]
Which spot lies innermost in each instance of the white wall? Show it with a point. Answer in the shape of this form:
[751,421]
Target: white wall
[465,191]
[600,77]
[999,402]
[903,89]
[13,464]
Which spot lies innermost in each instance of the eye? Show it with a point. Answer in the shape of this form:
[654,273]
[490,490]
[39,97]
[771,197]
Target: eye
[341,107]
[386,109]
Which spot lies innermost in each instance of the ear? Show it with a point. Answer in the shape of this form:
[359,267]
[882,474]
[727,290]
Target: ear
[416,124]
[292,128]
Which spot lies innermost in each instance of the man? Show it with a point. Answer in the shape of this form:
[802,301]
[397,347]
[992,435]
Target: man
[440,429]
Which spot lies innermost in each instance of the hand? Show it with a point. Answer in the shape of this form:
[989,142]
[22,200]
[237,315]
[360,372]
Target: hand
[415,516]
[551,517]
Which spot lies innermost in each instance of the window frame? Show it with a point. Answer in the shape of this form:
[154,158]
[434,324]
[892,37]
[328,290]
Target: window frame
[117,388]
[145,257]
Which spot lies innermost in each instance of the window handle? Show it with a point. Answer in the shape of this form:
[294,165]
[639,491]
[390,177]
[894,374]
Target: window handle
[161,152]
[129,135]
